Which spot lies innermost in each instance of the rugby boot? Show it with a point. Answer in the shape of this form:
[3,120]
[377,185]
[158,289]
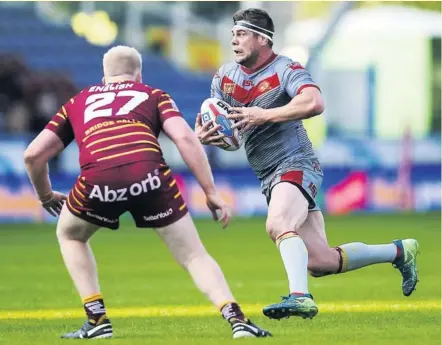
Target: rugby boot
[100,330]
[292,305]
[406,264]
[247,329]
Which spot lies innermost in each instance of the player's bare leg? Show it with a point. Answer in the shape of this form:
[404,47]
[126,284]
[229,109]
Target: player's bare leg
[288,210]
[185,245]
[324,260]
[73,235]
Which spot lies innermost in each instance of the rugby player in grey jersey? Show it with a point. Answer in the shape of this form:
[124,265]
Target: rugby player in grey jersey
[270,95]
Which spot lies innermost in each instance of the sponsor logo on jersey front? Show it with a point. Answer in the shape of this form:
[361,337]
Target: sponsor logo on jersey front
[264,86]
[228,88]
[158,216]
[107,194]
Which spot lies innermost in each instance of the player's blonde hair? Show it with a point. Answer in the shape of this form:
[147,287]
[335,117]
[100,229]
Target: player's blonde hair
[122,60]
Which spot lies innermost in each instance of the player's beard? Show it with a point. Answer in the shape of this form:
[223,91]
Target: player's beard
[249,60]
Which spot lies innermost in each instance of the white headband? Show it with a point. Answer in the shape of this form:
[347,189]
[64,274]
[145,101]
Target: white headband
[241,24]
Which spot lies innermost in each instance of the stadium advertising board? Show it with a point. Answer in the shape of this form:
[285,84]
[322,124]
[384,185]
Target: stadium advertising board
[345,189]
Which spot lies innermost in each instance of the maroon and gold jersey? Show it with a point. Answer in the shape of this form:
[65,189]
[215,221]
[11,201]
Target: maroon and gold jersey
[115,124]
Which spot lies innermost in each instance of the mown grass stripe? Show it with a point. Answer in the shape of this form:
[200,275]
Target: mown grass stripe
[182,311]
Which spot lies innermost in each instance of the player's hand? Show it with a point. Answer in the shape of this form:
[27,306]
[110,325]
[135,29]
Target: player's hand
[53,203]
[205,134]
[217,205]
[247,117]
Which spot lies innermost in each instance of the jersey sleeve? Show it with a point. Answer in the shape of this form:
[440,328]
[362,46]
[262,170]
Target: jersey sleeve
[215,88]
[61,126]
[295,78]
[167,107]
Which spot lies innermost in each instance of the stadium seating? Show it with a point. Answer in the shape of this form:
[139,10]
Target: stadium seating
[45,46]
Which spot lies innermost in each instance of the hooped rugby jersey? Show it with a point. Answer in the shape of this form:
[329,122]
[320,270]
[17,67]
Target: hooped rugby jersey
[272,85]
[115,124]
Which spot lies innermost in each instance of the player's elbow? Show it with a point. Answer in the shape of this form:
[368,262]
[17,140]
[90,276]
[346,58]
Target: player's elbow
[316,106]
[31,156]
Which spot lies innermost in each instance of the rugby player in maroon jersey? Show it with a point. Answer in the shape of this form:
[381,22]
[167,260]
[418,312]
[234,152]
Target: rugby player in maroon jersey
[116,126]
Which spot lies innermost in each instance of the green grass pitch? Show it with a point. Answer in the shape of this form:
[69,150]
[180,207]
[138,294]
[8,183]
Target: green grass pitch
[151,300]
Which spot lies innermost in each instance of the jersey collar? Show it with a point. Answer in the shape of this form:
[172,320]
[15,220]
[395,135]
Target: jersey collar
[265,63]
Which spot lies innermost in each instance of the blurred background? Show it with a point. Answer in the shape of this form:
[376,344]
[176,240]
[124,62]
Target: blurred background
[378,64]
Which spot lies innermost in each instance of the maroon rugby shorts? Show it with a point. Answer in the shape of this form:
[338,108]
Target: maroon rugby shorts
[146,189]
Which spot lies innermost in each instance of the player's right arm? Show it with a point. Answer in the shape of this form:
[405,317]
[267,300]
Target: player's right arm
[215,87]
[49,143]
[195,158]
[204,133]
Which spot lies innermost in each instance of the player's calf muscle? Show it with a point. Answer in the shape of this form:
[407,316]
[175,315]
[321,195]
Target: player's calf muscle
[328,263]
[321,258]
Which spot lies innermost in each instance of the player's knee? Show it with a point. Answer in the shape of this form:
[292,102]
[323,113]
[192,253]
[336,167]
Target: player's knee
[61,234]
[277,225]
[71,234]
[273,228]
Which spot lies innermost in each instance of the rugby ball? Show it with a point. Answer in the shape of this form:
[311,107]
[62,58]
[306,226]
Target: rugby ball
[216,110]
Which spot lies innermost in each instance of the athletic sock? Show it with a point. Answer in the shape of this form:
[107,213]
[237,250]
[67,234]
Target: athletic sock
[357,255]
[295,258]
[95,309]
[231,312]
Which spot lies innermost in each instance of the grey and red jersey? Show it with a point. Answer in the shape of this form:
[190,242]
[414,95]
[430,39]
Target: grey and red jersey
[115,124]
[272,85]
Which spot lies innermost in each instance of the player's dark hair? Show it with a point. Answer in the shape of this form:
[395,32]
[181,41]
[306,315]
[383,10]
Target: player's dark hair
[255,16]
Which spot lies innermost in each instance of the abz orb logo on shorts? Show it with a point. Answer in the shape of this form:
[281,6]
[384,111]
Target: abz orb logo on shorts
[111,195]
[159,215]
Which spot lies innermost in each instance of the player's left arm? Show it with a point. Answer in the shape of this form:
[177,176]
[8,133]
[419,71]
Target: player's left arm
[215,87]
[305,105]
[193,154]
[307,100]
[204,133]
